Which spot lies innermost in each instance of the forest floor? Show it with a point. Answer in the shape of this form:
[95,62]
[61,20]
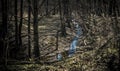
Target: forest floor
[86,58]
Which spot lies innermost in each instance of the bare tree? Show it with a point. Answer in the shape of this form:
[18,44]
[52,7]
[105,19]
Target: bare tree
[46,5]
[63,29]
[29,32]
[35,27]
[16,26]
[21,22]
[4,31]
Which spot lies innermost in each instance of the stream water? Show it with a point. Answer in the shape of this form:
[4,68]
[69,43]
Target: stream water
[74,42]
[73,45]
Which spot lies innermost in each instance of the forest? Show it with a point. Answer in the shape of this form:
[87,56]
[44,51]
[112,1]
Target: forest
[59,35]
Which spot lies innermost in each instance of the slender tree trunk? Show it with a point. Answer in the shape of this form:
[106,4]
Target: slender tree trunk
[4,31]
[111,7]
[35,27]
[47,7]
[29,32]
[63,29]
[16,25]
[54,11]
[21,22]
[67,12]
[116,27]
[57,39]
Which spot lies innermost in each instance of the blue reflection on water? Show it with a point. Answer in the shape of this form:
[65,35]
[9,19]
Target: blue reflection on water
[73,45]
[59,56]
[74,42]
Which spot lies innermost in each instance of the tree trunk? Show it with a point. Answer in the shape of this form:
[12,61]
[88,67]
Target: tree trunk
[4,31]
[47,7]
[54,11]
[21,22]
[63,29]
[29,32]
[116,26]
[16,28]
[35,27]
[114,13]
[67,12]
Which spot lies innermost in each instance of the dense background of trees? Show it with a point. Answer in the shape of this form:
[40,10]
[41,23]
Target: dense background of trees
[22,40]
